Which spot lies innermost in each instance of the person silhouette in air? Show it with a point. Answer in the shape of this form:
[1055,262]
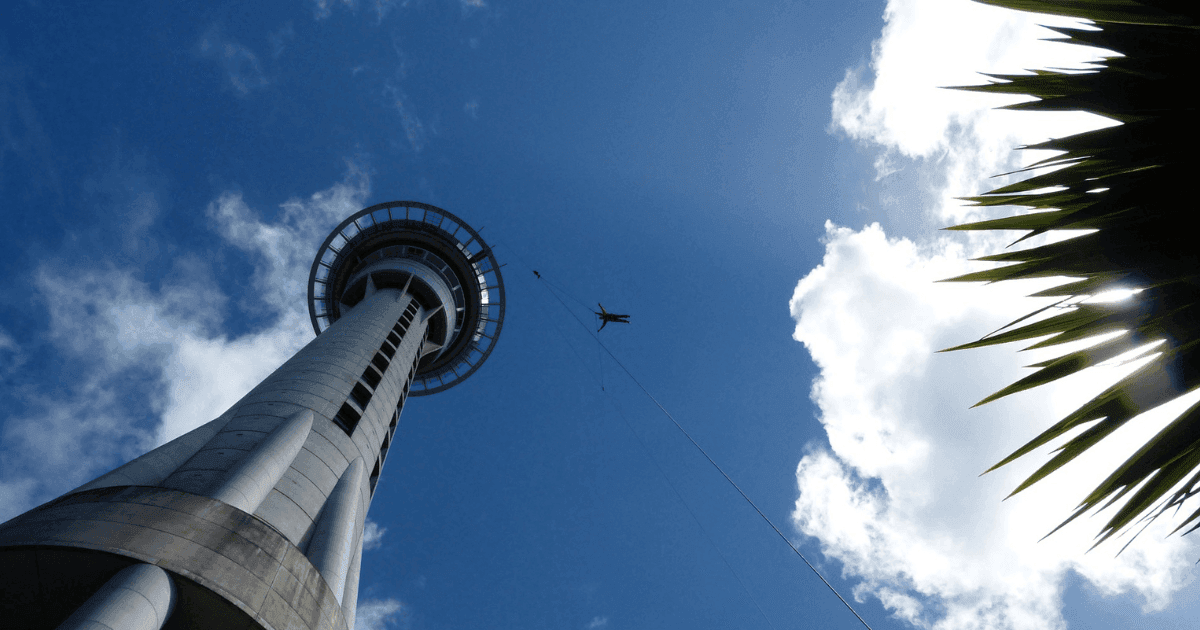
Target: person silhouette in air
[606,317]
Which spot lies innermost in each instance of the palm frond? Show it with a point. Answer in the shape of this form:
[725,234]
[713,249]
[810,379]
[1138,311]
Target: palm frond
[1131,185]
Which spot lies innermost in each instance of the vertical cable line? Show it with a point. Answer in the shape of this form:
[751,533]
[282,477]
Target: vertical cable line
[671,484]
[705,454]
[692,513]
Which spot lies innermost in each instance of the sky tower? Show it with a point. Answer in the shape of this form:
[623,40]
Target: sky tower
[255,519]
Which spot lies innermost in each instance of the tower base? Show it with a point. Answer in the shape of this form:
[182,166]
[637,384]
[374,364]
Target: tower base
[232,570]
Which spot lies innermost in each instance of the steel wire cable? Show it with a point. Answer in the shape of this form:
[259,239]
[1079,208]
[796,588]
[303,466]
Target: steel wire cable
[650,455]
[707,457]
[678,495]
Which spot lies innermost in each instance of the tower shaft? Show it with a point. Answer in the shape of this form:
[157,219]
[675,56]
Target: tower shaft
[255,520]
[258,515]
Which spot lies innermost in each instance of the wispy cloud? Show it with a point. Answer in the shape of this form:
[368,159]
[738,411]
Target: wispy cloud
[597,622]
[324,8]
[377,614]
[240,64]
[129,189]
[900,105]
[11,357]
[146,363]
[414,129]
[896,497]
[280,39]
[116,336]
[383,7]
[372,535]
[22,135]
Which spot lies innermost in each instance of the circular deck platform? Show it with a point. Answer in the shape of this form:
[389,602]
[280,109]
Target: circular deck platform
[441,243]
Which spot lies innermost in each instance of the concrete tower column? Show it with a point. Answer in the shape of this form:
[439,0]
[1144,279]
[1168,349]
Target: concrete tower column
[140,597]
[350,595]
[332,546]
[270,458]
[257,516]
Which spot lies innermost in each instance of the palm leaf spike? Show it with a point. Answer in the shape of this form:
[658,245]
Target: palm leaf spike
[1130,184]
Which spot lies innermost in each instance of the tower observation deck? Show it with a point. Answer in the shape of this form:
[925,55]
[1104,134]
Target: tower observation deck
[255,519]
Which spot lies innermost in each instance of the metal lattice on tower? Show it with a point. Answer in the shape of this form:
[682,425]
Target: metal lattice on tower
[255,519]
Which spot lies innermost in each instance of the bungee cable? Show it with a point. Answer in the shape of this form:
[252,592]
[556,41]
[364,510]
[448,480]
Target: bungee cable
[550,286]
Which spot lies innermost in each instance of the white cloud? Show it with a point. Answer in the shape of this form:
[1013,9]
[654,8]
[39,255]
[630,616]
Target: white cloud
[283,249]
[377,614]
[383,7]
[11,357]
[324,8]
[240,63]
[205,375]
[115,336]
[23,138]
[896,497]
[597,622]
[126,343]
[61,434]
[280,39]
[372,535]
[414,129]
[902,108]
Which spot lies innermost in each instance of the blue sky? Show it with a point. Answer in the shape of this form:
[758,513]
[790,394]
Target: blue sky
[758,185]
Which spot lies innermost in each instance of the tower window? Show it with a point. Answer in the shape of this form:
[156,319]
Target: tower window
[380,362]
[361,396]
[375,475]
[372,377]
[347,418]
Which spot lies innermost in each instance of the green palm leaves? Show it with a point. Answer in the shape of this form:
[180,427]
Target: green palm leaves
[1133,184]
